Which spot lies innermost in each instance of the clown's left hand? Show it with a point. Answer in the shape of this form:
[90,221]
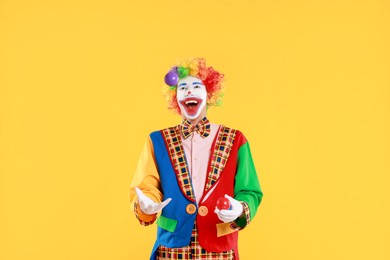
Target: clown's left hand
[229,215]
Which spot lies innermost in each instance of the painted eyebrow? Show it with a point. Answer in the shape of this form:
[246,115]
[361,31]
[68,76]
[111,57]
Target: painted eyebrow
[193,83]
[182,84]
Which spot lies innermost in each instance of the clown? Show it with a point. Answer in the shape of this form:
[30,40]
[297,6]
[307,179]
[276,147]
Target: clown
[185,169]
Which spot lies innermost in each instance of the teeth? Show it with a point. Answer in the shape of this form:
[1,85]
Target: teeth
[191,102]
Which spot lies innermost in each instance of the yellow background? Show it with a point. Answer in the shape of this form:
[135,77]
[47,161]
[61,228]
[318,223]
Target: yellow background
[80,89]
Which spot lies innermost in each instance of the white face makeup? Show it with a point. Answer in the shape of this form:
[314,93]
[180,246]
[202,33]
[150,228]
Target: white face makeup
[192,96]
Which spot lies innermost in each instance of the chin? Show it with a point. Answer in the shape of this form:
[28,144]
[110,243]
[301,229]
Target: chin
[191,117]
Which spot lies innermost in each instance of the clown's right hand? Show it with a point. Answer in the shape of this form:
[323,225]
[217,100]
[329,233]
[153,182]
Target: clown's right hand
[147,205]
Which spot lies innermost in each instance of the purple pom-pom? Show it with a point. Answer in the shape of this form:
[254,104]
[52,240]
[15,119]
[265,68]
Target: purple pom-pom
[171,78]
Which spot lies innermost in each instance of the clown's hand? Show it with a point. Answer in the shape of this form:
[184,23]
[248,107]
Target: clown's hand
[147,205]
[229,215]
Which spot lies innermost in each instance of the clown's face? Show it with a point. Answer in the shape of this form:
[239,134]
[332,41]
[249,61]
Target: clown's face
[192,96]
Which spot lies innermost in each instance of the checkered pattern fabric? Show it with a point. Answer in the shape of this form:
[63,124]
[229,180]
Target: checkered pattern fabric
[144,222]
[246,214]
[192,251]
[202,127]
[176,151]
[220,155]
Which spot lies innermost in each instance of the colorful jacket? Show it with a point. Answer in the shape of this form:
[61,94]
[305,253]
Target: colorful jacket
[231,171]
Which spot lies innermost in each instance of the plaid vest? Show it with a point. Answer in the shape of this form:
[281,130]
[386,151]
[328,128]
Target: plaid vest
[177,218]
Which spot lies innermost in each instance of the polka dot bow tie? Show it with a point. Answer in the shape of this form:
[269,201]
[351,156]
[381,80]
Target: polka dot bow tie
[202,128]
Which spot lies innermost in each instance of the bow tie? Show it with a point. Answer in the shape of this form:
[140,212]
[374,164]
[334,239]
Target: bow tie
[202,128]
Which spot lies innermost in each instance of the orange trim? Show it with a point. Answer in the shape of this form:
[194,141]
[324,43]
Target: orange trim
[224,229]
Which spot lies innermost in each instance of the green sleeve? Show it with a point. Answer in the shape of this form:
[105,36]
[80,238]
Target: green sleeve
[247,187]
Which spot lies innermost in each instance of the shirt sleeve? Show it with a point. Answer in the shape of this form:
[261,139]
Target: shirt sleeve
[247,188]
[147,179]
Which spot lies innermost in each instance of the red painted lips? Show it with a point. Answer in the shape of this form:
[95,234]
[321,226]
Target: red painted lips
[191,105]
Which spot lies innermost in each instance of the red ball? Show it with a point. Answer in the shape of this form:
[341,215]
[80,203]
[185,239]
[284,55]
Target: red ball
[223,203]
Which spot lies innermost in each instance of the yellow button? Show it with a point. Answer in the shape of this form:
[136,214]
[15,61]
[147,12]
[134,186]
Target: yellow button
[191,209]
[203,211]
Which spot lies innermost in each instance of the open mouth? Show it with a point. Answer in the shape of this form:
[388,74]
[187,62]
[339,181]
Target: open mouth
[191,105]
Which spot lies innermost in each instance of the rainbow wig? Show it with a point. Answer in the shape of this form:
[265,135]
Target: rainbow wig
[211,79]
